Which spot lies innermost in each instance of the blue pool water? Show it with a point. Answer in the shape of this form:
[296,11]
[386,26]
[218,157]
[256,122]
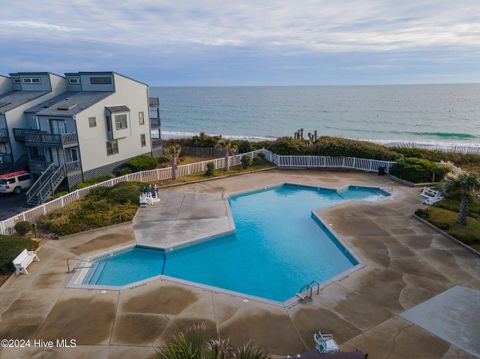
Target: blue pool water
[278,246]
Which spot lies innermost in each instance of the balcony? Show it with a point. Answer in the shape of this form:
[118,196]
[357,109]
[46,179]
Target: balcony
[38,138]
[3,135]
[39,165]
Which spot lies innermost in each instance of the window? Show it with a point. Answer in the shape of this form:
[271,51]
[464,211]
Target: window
[16,80]
[112,147]
[24,177]
[92,122]
[120,122]
[143,140]
[141,118]
[101,80]
[31,80]
[74,80]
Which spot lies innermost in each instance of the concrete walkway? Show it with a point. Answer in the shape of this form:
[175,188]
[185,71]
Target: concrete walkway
[407,263]
[181,218]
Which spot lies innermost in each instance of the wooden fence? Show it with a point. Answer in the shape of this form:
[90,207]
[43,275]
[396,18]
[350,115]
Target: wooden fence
[162,174]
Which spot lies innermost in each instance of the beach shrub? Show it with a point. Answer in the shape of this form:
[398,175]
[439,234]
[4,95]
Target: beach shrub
[10,248]
[418,170]
[244,146]
[92,181]
[23,227]
[102,207]
[142,163]
[203,140]
[289,146]
[210,169]
[246,161]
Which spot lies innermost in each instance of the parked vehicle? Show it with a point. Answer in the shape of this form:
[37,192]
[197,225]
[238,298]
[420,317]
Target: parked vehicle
[15,182]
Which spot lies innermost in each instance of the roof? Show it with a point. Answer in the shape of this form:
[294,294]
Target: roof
[12,174]
[73,103]
[116,109]
[13,99]
[34,73]
[102,73]
[50,102]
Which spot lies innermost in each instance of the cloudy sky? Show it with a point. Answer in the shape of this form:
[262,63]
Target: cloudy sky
[247,42]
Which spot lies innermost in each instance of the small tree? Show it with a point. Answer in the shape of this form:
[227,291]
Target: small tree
[210,169]
[173,153]
[228,149]
[463,185]
[23,227]
[246,161]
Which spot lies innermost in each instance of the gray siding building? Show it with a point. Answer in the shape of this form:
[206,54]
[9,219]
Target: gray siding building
[101,120]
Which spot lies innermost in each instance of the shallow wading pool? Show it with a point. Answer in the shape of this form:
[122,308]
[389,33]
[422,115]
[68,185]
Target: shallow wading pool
[278,246]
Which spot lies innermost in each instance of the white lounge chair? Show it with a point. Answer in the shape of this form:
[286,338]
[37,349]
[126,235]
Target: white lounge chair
[431,195]
[23,260]
[143,201]
[324,343]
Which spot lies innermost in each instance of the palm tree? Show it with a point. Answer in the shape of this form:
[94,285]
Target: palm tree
[173,152]
[191,344]
[463,185]
[228,149]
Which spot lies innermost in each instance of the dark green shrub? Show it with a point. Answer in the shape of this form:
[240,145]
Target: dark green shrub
[124,171]
[142,163]
[203,140]
[288,146]
[124,194]
[10,248]
[162,159]
[418,170]
[92,181]
[422,213]
[247,161]
[210,169]
[260,156]
[443,226]
[336,146]
[22,228]
[244,146]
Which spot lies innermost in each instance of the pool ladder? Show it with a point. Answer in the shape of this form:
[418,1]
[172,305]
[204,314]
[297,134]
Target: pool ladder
[80,259]
[309,286]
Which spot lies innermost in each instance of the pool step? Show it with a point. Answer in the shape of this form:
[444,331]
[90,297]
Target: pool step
[94,273]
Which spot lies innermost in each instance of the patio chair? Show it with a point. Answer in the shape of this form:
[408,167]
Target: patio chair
[324,343]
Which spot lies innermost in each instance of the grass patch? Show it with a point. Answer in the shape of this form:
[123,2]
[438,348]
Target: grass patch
[11,247]
[104,206]
[446,220]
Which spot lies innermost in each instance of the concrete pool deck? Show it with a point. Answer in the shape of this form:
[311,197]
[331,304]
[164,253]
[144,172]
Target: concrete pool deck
[407,263]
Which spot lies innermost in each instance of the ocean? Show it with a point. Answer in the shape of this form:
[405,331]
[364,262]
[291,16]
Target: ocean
[445,114]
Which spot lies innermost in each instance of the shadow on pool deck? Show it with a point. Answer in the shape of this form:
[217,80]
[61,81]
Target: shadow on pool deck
[406,264]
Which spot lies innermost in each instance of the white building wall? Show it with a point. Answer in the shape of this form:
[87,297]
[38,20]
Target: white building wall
[5,84]
[16,118]
[92,141]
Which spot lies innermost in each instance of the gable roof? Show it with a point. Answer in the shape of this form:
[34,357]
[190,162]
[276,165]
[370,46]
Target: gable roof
[73,103]
[13,99]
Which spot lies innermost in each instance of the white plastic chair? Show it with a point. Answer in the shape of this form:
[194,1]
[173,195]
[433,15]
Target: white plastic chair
[324,343]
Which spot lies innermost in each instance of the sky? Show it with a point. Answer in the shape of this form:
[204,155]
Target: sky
[246,42]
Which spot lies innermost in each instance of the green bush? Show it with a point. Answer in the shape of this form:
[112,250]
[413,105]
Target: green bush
[244,146]
[93,181]
[124,171]
[247,161]
[22,228]
[10,248]
[102,207]
[142,163]
[203,140]
[162,159]
[210,169]
[260,156]
[418,170]
[288,146]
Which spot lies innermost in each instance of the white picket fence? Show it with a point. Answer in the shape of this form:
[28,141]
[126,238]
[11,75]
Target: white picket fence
[361,164]
[161,174]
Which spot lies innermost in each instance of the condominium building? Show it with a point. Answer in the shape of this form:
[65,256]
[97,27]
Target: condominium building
[19,92]
[102,120]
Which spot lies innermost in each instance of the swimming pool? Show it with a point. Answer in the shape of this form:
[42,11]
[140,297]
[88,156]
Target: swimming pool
[278,246]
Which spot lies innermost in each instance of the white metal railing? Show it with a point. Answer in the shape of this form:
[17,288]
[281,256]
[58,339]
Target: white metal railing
[161,174]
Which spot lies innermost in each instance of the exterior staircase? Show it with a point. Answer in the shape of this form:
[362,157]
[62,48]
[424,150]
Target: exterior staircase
[46,184]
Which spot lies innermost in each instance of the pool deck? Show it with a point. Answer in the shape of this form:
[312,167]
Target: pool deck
[407,263]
